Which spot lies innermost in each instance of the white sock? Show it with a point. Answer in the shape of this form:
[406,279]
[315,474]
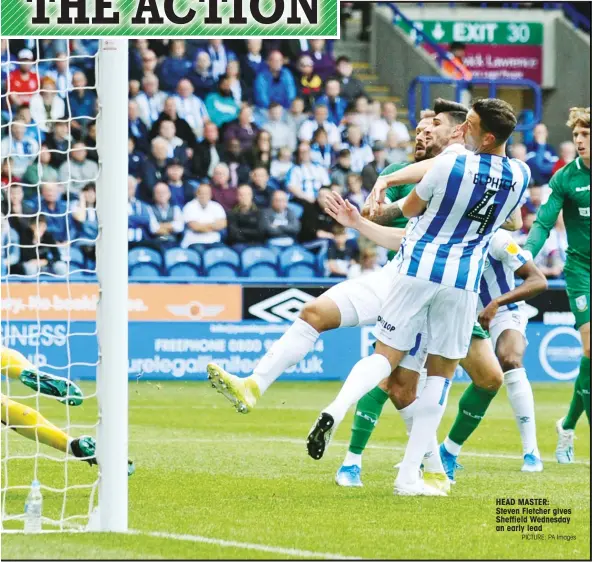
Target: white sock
[522,402]
[423,377]
[428,414]
[365,375]
[452,447]
[432,461]
[407,415]
[293,346]
[352,459]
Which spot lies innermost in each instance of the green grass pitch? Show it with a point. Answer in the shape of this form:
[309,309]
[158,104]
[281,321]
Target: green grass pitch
[205,472]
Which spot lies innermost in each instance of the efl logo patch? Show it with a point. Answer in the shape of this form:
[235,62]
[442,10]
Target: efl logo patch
[582,303]
[512,248]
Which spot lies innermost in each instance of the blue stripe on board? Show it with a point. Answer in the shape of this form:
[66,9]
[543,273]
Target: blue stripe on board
[454,181]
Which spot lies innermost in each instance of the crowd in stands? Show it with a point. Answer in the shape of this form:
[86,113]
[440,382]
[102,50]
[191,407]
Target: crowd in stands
[230,143]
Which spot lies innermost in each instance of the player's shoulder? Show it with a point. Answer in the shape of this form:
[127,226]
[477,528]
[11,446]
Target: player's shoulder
[456,149]
[392,168]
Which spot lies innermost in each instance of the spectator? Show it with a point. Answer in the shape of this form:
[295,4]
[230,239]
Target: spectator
[320,149]
[243,221]
[9,245]
[8,63]
[279,223]
[79,170]
[136,127]
[380,128]
[351,88]
[455,67]
[243,129]
[17,211]
[22,82]
[204,220]
[91,142]
[150,101]
[551,258]
[46,106]
[362,116]
[58,142]
[296,116]
[567,154]
[141,222]
[336,105]
[7,175]
[316,223]
[320,119]
[368,264]
[221,106]
[324,65]
[519,151]
[182,128]
[149,64]
[372,170]
[262,189]
[309,84]
[202,78]
[174,67]
[181,190]
[56,211]
[40,171]
[253,63]
[84,215]
[260,154]
[220,57]
[222,192]
[31,130]
[168,215]
[305,179]
[237,163]
[176,148]
[133,89]
[154,168]
[340,255]
[135,159]
[281,133]
[541,157]
[395,154]
[208,153]
[274,84]
[356,193]
[361,153]
[82,101]
[21,149]
[342,168]
[191,108]
[39,252]
[281,165]
[63,74]
[238,87]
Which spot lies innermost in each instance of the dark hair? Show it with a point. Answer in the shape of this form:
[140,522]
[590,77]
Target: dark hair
[497,117]
[39,219]
[342,58]
[89,186]
[457,45]
[456,111]
[338,229]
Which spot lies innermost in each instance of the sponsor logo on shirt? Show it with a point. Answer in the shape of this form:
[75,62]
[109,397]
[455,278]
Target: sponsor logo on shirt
[585,188]
[582,303]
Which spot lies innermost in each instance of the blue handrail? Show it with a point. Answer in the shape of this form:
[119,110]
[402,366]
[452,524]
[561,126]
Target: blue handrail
[460,85]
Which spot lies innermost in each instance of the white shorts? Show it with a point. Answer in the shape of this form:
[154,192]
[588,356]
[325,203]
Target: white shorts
[416,358]
[449,314]
[508,320]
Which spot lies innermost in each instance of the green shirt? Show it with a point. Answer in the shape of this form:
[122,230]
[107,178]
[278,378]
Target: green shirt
[394,194]
[570,193]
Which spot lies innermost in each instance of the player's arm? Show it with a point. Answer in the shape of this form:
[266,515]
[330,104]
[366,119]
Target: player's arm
[348,215]
[514,221]
[546,218]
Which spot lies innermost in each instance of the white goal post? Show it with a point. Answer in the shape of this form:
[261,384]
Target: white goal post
[112,272]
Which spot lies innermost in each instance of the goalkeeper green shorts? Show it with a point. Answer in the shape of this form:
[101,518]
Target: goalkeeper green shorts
[577,281]
[479,332]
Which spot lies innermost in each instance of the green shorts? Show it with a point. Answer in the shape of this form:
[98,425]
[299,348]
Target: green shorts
[577,281]
[479,332]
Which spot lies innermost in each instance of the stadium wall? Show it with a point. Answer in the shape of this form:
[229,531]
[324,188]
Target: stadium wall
[176,329]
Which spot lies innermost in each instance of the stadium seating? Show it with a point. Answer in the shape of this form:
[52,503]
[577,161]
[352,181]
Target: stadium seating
[300,270]
[223,270]
[296,255]
[182,262]
[260,270]
[259,256]
[144,270]
[145,256]
[76,259]
[183,271]
[221,256]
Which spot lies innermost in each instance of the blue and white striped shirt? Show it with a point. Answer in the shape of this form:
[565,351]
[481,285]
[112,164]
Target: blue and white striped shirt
[505,257]
[469,197]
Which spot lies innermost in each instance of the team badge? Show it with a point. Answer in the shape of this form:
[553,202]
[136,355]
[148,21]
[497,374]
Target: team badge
[582,303]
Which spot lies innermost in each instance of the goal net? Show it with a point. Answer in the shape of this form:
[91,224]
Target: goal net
[63,285]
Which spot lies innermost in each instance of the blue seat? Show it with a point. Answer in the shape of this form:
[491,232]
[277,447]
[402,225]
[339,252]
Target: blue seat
[76,258]
[144,270]
[221,255]
[77,275]
[144,256]
[260,270]
[224,270]
[296,209]
[257,255]
[300,270]
[296,255]
[184,270]
[190,259]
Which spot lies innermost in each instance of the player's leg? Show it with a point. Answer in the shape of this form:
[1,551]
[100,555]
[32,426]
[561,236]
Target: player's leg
[351,303]
[487,377]
[16,366]
[510,343]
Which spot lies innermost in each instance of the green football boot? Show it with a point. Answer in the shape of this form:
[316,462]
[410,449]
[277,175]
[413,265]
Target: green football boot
[85,447]
[66,391]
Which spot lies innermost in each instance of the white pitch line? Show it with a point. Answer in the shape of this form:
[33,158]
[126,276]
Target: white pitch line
[245,545]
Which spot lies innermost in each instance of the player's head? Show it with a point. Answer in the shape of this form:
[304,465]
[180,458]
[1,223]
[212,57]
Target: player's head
[426,117]
[579,122]
[489,124]
[446,127]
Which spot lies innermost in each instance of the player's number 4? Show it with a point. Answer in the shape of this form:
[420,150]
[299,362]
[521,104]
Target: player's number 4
[483,212]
